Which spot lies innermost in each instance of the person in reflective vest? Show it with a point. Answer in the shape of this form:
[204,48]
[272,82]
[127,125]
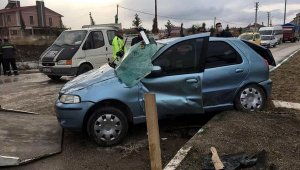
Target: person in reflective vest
[9,57]
[118,46]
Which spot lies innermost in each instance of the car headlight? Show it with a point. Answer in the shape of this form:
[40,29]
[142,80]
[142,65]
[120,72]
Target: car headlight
[64,62]
[69,99]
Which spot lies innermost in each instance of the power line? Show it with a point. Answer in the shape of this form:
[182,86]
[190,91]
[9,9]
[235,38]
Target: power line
[176,18]
[162,16]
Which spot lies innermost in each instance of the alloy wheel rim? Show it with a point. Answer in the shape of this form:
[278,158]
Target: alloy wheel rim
[108,127]
[251,99]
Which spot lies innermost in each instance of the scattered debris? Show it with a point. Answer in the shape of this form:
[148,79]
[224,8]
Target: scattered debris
[235,161]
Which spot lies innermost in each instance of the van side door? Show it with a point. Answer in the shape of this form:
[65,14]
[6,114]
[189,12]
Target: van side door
[95,50]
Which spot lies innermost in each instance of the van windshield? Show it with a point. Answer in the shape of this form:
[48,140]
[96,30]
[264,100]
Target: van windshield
[266,32]
[73,38]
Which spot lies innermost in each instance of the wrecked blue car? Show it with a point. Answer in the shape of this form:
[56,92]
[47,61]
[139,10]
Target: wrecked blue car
[189,75]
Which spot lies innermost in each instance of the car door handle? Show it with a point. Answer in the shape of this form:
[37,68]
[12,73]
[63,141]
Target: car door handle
[192,81]
[239,70]
[106,49]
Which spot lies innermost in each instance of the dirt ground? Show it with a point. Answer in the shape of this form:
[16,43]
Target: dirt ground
[277,131]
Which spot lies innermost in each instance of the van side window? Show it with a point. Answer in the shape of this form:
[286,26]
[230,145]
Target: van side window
[98,39]
[221,54]
[111,34]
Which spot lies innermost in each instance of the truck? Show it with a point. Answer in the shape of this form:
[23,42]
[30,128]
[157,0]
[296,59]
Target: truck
[290,32]
[75,52]
[275,31]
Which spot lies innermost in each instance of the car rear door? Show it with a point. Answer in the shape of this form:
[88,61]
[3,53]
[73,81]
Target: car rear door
[178,88]
[225,70]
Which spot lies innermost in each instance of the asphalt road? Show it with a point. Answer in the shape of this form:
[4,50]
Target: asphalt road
[36,93]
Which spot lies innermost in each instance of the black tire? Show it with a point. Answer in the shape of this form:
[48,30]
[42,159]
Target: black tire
[83,69]
[274,45]
[117,125]
[256,97]
[55,78]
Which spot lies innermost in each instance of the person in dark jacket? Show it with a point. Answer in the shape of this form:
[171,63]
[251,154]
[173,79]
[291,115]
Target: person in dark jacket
[138,38]
[9,57]
[1,59]
[220,32]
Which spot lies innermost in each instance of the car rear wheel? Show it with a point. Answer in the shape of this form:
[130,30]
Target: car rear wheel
[107,126]
[56,78]
[83,69]
[250,98]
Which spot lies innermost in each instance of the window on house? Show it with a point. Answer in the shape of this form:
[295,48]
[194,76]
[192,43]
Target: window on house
[8,18]
[31,20]
[50,22]
[13,32]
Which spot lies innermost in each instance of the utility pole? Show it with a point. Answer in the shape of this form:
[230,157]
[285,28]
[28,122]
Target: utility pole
[215,22]
[256,8]
[117,16]
[268,18]
[155,25]
[284,12]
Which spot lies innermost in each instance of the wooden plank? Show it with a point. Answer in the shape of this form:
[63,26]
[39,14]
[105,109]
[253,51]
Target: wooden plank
[153,131]
[216,159]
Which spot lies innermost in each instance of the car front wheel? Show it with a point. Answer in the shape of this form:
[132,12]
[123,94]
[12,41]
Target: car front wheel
[250,98]
[107,126]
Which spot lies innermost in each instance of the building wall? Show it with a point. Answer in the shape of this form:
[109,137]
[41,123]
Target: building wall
[56,19]
[26,17]
[13,19]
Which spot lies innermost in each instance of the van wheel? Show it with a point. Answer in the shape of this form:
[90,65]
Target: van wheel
[107,126]
[83,69]
[55,78]
[250,98]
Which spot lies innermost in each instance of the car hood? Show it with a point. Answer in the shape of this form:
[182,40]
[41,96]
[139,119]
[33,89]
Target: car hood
[87,79]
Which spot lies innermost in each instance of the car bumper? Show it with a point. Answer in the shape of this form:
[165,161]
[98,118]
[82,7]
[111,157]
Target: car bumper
[267,85]
[59,71]
[71,116]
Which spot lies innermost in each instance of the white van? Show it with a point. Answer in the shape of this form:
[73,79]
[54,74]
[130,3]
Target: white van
[77,51]
[276,31]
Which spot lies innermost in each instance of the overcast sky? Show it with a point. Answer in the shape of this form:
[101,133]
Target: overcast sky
[234,13]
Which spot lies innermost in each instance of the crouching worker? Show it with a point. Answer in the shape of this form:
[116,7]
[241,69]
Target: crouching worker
[9,58]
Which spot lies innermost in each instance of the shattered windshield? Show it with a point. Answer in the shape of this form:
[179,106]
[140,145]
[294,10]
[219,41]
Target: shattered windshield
[70,38]
[137,63]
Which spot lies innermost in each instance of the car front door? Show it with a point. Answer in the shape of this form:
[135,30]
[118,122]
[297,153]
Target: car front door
[178,88]
[95,49]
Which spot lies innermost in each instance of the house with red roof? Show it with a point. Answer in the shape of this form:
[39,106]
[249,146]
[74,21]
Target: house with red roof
[20,23]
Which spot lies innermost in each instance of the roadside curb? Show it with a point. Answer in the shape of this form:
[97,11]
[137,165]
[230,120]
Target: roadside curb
[285,60]
[17,111]
[181,154]
[288,105]
[9,161]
